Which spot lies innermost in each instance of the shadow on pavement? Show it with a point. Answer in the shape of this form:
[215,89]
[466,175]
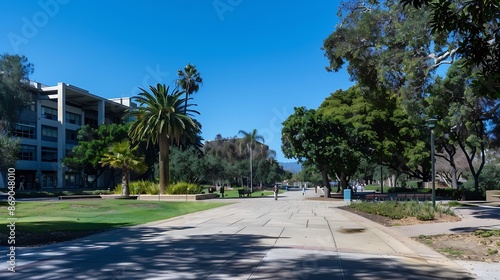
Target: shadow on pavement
[182,253]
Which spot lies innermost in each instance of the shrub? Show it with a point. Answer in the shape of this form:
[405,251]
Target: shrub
[183,188]
[139,187]
[398,210]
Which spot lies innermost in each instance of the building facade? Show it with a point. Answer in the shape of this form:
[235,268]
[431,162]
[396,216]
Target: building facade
[48,129]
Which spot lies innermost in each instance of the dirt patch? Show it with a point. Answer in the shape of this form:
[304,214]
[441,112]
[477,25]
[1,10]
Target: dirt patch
[480,246]
[465,246]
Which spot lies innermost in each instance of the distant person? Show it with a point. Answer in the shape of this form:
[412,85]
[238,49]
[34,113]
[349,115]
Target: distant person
[37,184]
[276,190]
[21,184]
[304,190]
[221,191]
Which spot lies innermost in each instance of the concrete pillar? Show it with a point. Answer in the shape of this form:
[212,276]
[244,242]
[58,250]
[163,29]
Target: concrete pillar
[101,115]
[61,140]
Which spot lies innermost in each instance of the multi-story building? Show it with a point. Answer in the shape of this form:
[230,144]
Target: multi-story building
[48,128]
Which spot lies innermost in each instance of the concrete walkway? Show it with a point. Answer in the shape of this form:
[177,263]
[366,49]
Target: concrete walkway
[292,238]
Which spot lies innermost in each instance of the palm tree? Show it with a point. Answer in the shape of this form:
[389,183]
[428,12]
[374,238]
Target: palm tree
[160,119]
[189,80]
[121,156]
[250,138]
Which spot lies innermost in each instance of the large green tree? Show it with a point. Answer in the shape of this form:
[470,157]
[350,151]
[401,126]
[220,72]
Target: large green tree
[93,143]
[476,23]
[189,80]
[466,120]
[380,130]
[122,156]
[389,50]
[160,118]
[187,165]
[9,149]
[321,142]
[14,83]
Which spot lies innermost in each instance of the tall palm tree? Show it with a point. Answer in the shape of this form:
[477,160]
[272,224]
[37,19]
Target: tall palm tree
[250,138]
[160,119]
[122,156]
[189,80]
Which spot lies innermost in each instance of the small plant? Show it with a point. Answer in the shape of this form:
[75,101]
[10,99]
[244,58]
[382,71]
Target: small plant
[492,251]
[451,251]
[454,204]
[483,233]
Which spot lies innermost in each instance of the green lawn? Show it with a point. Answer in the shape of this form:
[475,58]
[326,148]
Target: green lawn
[91,215]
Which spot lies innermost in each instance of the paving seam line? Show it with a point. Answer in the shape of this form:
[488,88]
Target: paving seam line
[336,248]
[267,253]
[228,259]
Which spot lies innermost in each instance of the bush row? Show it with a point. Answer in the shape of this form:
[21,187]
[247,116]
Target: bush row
[397,210]
[148,187]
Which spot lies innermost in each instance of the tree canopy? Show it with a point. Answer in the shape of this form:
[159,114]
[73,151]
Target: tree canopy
[14,82]
[160,118]
[476,24]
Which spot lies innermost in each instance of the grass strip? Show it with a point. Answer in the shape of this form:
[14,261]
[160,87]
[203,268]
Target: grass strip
[92,215]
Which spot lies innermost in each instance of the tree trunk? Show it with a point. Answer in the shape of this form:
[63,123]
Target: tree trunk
[454,179]
[163,163]
[326,182]
[343,181]
[125,188]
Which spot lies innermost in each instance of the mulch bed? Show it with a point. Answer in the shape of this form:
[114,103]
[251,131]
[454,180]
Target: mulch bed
[386,221]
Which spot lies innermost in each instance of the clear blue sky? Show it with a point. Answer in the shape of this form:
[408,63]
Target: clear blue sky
[258,59]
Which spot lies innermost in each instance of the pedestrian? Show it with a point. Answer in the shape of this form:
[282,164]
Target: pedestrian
[21,184]
[304,190]
[37,184]
[221,191]
[276,191]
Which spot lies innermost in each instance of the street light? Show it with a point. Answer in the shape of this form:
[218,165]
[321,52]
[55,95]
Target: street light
[431,123]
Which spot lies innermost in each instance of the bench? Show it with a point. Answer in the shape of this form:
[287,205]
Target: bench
[377,197]
[242,192]
[414,196]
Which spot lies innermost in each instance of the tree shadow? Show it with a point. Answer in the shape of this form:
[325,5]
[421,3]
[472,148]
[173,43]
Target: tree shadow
[484,212]
[182,252]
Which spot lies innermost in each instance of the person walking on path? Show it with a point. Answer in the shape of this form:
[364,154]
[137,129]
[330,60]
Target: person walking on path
[21,185]
[304,190]
[276,191]
[221,191]
[37,184]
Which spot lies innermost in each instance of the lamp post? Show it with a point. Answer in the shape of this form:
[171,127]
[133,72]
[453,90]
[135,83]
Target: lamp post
[431,123]
[251,168]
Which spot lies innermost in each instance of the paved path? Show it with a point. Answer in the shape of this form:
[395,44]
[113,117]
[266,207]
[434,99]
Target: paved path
[292,238]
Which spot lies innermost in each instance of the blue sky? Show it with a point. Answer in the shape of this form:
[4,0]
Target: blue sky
[258,59]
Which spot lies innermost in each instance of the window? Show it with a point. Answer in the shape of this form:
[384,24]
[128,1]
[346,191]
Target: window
[71,136]
[73,118]
[49,154]
[49,133]
[91,122]
[91,119]
[49,113]
[72,180]
[25,129]
[27,152]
